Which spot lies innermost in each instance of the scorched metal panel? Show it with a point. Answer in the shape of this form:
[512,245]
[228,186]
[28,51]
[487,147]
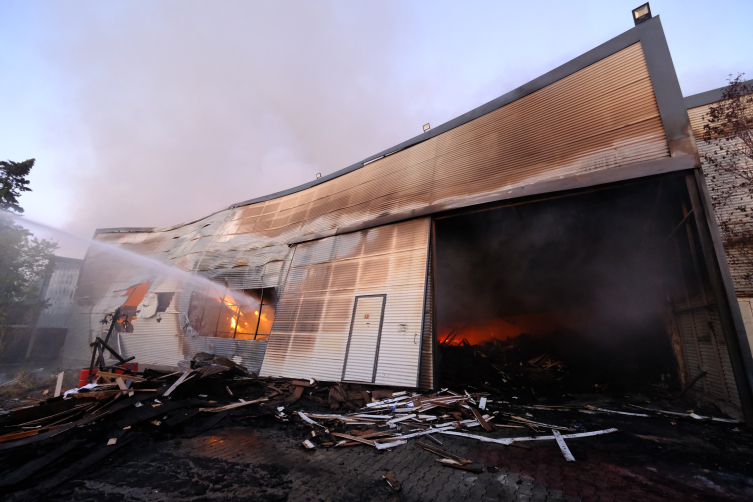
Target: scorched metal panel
[313,318]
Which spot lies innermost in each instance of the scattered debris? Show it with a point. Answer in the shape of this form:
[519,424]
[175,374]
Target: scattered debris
[394,483]
[59,384]
[216,390]
[563,446]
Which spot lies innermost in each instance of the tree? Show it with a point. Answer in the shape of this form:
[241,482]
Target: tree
[728,158]
[12,182]
[23,258]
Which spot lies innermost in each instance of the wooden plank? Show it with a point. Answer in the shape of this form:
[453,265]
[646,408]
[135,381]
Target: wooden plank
[394,483]
[390,444]
[19,435]
[108,374]
[38,464]
[434,439]
[563,446]
[121,384]
[234,405]
[73,469]
[396,420]
[354,438]
[300,383]
[481,420]
[59,384]
[456,465]
[593,408]
[442,453]
[347,443]
[88,419]
[297,393]
[177,382]
[308,420]
[70,411]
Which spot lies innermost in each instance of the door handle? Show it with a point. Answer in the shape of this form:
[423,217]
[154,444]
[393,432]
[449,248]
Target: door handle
[414,339]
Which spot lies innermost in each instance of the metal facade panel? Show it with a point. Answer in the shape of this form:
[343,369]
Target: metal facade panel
[698,319]
[739,264]
[601,117]
[154,343]
[312,323]
[59,292]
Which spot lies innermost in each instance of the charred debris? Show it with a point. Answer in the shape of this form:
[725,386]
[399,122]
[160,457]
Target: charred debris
[58,438]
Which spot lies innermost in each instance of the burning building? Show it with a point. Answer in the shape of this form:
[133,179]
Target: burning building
[570,213]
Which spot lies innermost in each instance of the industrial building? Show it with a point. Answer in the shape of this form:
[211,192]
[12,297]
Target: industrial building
[574,204]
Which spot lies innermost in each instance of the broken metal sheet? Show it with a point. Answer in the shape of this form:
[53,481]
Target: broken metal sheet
[509,441]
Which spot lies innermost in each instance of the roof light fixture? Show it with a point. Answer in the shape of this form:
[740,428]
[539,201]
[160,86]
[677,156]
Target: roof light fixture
[426,127]
[318,175]
[641,14]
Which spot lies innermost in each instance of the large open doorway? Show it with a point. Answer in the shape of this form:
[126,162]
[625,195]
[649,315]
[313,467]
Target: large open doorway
[605,289]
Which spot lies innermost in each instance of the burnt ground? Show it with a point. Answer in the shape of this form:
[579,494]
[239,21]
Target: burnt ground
[248,456]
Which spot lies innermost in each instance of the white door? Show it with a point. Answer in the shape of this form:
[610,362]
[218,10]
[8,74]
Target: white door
[363,343]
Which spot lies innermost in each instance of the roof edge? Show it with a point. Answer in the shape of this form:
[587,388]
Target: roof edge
[606,49]
[707,97]
[650,28]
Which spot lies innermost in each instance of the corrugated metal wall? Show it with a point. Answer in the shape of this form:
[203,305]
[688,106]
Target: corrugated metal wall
[59,294]
[740,267]
[312,323]
[601,117]
[698,320]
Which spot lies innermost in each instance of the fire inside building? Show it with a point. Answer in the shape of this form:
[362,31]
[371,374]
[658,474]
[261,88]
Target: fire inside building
[568,219]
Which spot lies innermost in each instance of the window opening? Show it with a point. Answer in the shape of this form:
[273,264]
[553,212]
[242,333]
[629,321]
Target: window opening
[163,301]
[244,314]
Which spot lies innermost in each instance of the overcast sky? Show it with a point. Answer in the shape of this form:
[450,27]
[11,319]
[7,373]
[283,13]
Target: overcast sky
[154,113]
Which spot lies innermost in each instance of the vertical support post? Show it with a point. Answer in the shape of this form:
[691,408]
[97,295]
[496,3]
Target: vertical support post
[32,339]
[724,290]
[434,327]
[427,282]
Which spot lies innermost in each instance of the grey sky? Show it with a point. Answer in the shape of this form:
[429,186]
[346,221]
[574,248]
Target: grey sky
[154,113]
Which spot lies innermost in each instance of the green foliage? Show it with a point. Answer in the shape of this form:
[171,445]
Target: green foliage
[24,259]
[12,182]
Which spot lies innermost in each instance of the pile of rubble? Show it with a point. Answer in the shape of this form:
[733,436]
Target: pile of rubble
[74,430]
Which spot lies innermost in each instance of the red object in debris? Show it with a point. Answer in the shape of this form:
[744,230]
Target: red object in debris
[83,378]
